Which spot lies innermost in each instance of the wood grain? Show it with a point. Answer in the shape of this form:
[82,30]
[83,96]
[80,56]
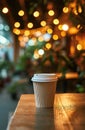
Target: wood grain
[67,114]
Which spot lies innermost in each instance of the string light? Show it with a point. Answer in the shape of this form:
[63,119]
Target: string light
[16,31]
[41,52]
[43,23]
[26,32]
[51,12]
[30,25]
[65,27]
[65,9]
[56,21]
[40,38]
[60,27]
[36,54]
[49,30]
[79,47]
[5,10]
[63,33]
[48,45]
[21,13]
[17,24]
[79,9]
[55,37]
[36,14]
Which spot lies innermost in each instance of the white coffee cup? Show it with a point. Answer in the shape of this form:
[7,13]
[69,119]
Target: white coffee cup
[44,85]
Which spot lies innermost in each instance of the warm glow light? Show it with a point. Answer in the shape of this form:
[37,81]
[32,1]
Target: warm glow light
[40,39]
[72,50]
[5,10]
[79,47]
[51,12]
[35,40]
[17,24]
[43,23]
[65,9]
[38,33]
[36,55]
[21,13]
[78,26]
[27,33]
[22,44]
[73,30]
[56,21]
[79,9]
[75,12]
[36,14]
[20,38]
[16,31]
[30,25]
[49,30]
[48,46]
[65,27]
[63,34]
[60,27]
[25,39]
[55,37]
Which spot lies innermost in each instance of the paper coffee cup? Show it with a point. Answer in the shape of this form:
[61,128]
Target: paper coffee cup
[44,85]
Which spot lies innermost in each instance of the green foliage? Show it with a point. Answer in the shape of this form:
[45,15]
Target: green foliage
[80,88]
[6,65]
[16,89]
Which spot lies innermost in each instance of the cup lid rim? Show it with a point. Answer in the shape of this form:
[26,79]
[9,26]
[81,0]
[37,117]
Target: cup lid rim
[44,77]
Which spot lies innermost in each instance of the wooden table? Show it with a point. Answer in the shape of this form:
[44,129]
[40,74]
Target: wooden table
[68,113]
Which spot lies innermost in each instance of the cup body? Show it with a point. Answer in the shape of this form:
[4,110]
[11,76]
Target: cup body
[44,89]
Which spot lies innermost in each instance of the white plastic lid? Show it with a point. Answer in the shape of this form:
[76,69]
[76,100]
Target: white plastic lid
[44,77]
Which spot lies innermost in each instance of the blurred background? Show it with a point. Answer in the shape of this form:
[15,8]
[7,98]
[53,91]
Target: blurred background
[40,36]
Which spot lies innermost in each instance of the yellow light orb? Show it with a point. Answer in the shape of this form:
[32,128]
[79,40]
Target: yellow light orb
[78,26]
[56,21]
[36,14]
[43,23]
[79,9]
[63,34]
[55,37]
[51,12]
[48,45]
[65,9]
[16,31]
[21,13]
[36,54]
[60,27]
[17,24]
[5,10]
[79,47]
[30,25]
[49,30]
[27,33]
[75,11]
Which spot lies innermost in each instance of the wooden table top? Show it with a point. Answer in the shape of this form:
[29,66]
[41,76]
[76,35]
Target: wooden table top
[68,113]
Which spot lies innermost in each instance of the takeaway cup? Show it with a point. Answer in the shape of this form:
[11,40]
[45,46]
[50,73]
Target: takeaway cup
[44,85]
